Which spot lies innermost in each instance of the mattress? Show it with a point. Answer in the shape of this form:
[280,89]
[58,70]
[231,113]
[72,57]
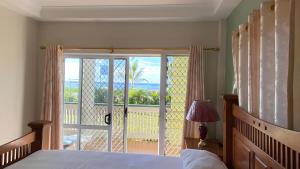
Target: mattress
[95,160]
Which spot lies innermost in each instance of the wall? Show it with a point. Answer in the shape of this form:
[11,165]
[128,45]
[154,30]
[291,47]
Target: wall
[238,16]
[136,35]
[18,67]
[297,69]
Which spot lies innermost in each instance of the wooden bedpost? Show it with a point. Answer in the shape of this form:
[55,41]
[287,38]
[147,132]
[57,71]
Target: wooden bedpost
[229,101]
[42,130]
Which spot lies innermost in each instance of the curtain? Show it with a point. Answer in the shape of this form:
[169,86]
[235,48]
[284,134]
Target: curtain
[195,88]
[243,66]
[235,55]
[254,62]
[265,71]
[283,62]
[53,92]
[267,66]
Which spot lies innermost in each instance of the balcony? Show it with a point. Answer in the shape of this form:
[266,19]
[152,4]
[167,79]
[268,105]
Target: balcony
[142,128]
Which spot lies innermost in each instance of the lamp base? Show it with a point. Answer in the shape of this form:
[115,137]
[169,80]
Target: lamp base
[203,132]
[201,143]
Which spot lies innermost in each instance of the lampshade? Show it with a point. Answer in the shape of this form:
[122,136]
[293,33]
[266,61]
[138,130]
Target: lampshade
[202,111]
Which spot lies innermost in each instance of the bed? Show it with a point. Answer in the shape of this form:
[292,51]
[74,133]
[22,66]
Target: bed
[248,143]
[32,152]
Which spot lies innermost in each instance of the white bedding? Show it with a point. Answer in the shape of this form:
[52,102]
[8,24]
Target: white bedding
[95,160]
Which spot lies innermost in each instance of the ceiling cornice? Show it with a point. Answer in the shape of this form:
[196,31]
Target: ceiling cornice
[209,10]
[24,7]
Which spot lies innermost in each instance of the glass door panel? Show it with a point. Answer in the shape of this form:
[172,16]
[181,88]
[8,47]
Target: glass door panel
[71,103]
[95,100]
[87,119]
[143,108]
[119,105]
[95,116]
[175,103]
[95,80]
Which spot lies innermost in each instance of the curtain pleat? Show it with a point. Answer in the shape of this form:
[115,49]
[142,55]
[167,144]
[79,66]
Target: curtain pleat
[195,88]
[243,66]
[235,55]
[267,66]
[254,62]
[283,59]
[296,78]
[52,103]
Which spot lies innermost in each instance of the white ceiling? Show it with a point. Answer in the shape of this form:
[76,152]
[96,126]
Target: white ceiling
[123,10]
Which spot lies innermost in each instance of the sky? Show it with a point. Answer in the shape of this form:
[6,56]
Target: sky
[149,65]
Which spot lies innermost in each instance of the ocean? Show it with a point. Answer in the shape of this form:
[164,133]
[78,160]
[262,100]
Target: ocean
[145,86]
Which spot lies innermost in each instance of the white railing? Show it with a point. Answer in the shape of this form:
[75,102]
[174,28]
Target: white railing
[70,113]
[142,123]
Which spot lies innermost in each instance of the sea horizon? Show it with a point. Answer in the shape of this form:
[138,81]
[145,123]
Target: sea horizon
[145,86]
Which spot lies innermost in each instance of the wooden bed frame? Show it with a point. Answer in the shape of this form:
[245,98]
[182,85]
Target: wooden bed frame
[38,139]
[248,142]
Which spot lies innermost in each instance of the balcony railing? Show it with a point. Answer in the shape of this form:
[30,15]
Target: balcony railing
[142,123]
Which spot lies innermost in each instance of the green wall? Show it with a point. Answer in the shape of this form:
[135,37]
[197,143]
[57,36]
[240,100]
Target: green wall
[238,16]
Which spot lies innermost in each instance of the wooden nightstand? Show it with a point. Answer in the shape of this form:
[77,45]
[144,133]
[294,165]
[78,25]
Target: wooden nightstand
[211,145]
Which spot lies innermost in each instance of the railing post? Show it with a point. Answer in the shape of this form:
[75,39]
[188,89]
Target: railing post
[42,131]
[229,101]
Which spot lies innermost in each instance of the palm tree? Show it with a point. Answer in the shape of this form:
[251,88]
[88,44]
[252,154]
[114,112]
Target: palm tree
[135,74]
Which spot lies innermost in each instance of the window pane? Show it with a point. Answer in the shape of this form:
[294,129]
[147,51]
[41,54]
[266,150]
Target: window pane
[143,109]
[118,105]
[71,90]
[70,138]
[95,79]
[94,140]
[175,99]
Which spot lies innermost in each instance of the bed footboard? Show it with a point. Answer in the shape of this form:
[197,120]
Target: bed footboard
[22,147]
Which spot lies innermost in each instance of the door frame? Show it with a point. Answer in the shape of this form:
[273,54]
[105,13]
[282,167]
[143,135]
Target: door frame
[107,128]
[86,54]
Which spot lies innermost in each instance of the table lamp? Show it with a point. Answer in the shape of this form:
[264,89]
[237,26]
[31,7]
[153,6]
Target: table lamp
[203,112]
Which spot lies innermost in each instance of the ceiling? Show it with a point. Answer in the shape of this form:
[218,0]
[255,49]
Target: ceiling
[123,10]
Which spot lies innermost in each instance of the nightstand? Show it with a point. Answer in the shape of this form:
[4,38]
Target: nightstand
[212,145]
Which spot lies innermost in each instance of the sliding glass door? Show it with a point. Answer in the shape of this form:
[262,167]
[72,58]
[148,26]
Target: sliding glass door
[90,84]
[124,104]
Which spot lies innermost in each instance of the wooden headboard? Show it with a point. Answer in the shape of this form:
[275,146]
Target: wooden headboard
[22,147]
[250,143]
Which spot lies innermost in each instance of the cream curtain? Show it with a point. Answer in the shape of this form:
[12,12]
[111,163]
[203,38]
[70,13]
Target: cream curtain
[243,66]
[52,103]
[235,55]
[195,88]
[283,62]
[254,62]
[267,66]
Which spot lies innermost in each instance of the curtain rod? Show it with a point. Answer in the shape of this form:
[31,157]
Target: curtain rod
[112,49]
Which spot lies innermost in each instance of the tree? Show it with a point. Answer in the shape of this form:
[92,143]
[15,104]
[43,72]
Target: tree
[135,74]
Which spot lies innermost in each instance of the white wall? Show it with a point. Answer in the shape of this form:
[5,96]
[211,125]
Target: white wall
[18,69]
[136,35]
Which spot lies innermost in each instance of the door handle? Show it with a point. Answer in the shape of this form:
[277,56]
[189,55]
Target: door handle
[107,119]
[126,112]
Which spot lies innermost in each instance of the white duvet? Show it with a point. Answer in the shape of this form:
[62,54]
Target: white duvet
[95,160]
[190,159]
